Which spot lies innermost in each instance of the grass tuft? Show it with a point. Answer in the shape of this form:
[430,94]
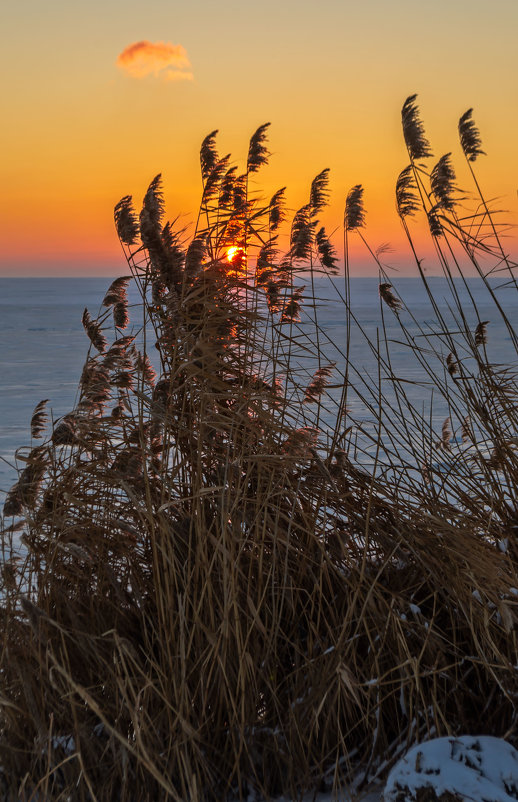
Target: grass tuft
[218,581]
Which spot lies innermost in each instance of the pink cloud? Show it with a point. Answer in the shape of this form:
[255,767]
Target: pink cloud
[161,59]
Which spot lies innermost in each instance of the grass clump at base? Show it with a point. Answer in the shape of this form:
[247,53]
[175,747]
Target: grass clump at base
[216,598]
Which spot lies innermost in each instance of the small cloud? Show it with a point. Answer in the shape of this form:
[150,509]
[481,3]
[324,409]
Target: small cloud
[161,59]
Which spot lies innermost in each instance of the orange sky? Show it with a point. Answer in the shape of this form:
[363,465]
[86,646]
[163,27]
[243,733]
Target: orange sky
[99,97]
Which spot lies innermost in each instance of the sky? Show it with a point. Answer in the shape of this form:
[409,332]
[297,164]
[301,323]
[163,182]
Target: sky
[100,96]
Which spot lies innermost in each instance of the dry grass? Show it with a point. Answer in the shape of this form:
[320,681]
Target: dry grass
[215,598]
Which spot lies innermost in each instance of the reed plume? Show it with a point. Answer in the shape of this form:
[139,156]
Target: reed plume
[301,234]
[318,383]
[13,503]
[470,139]
[413,130]
[117,296]
[94,332]
[145,368]
[95,387]
[257,151]
[39,419]
[442,181]
[434,223]
[277,214]
[23,495]
[214,179]
[117,354]
[452,364]
[173,261]
[386,294]
[319,192]
[291,308]
[120,314]
[65,431]
[273,291]
[326,251]
[226,189]
[407,201]
[117,291]
[195,256]
[240,194]
[208,154]
[265,268]
[153,203]
[300,442]
[481,333]
[126,221]
[354,211]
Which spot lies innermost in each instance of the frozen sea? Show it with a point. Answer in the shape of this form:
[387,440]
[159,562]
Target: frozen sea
[43,344]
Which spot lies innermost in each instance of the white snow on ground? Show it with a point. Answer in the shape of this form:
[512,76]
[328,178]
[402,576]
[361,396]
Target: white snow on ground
[481,769]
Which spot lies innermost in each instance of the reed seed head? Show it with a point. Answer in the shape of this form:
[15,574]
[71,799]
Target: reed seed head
[117,291]
[153,202]
[319,193]
[195,255]
[126,221]
[214,179]
[470,139]
[208,154]
[386,294]
[434,223]
[413,130]
[481,333]
[300,442]
[407,200]
[277,213]
[65,431]
[318,383]
[145,368]
[326,251]
[258,153]
[301,234]
[354,211]
[291,308]
[39,419]
[120,314]
[452,364]
[226,189]
[442,181]
[94,332]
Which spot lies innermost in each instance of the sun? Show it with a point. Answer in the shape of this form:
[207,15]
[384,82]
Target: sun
[233,252]
[236,257]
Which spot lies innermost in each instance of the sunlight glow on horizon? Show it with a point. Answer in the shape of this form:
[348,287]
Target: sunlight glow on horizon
[80,132]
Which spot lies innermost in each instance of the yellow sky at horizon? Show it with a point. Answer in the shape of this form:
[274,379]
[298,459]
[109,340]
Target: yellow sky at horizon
[79,132]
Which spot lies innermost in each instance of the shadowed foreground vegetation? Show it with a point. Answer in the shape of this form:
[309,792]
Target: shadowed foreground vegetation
[217,595]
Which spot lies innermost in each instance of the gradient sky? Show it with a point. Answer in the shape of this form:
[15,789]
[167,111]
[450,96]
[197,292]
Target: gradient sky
[89,116]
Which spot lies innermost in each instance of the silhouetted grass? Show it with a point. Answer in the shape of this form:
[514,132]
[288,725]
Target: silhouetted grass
[217,596]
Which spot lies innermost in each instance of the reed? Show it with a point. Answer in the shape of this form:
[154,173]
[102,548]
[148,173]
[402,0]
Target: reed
[216,598]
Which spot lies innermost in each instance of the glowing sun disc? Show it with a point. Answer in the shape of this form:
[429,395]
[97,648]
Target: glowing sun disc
[232,252]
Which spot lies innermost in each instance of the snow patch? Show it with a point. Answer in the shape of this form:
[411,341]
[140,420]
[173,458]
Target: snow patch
[481,769]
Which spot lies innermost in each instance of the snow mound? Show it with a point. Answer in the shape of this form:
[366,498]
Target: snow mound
[478,769]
